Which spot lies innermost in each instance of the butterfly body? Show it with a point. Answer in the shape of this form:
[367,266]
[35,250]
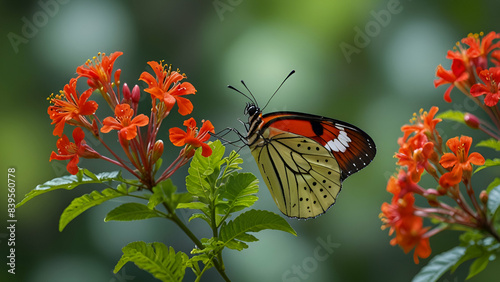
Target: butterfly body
[304,158]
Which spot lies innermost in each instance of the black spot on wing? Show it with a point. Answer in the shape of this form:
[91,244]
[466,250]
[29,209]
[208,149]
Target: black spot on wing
[316,127]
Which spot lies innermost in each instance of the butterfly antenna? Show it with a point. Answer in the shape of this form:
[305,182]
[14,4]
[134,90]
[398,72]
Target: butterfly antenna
[248,97]
[290,74]
[254,100]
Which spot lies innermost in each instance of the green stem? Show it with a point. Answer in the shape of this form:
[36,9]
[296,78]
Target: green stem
[172,216]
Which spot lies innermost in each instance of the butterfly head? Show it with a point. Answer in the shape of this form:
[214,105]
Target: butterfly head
[251,109]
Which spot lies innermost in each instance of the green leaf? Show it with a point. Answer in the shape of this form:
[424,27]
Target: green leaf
[478,265]
[166,192]
[490,143]
[156,258]
[493,184]
[192,205]
[232,163]
[90,174]
[85,202]
[251,221]
[198,182]
[202,216]
[488,163]
[439,264]
[494,200]
[70,182]
[161,193]
[452,115]
[131,211]
[471,252]
[239,191]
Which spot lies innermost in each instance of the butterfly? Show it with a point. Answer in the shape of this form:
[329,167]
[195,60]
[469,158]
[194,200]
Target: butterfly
[304,158]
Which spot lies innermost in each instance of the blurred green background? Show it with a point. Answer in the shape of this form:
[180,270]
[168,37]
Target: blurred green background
[376,86]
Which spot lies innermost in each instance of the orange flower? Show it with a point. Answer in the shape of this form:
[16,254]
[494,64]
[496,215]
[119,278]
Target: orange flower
[99,69]
[68,106]
[166,87]
[491,78]
[399,217]
[480,47]
[459,160]
[73,151]
[124,123]
[192,137]
[394,214]
[417,160]
[412,235]
[454,76]
[424,123]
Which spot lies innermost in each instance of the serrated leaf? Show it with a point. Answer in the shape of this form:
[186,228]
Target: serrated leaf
[488,163]
[85,202]
[252,221]
[239,191]
[131,211]
[204,170]
[156,258]
[478,265]
[70,182]
[452,115]
[490,143]
[494,200]
[439,264]
[232,163]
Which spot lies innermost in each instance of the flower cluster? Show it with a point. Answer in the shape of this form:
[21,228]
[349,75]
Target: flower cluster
[450,163]
[137,133]
[475,71]
[421,149]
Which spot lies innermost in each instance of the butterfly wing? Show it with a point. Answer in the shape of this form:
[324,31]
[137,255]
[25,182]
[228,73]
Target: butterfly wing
[304,159]
[352,147]
[302,176]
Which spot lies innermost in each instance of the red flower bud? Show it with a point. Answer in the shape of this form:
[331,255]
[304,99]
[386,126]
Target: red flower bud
[483,196]
[136,94]
[472,121]
[126,92]
[157,151]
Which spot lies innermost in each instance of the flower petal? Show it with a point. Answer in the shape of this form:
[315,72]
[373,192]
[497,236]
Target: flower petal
[185,106]
[140,120]
[177,136]
[72,166]
[476,158]
[448,160]
[206,150]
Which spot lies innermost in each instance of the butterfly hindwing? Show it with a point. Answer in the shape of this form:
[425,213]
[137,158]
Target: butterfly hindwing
[302,175]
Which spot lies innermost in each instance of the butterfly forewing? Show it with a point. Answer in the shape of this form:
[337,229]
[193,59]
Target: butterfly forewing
[302,175]
[352,147]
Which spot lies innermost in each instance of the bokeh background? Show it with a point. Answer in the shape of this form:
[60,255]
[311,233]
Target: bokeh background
[376,86]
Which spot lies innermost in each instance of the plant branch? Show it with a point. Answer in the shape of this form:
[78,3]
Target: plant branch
[172,216]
